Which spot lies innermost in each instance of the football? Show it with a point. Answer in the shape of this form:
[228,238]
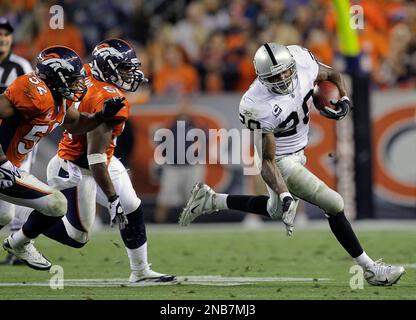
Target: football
[323,92]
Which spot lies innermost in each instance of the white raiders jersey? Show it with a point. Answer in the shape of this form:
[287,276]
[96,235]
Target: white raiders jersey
[287,116]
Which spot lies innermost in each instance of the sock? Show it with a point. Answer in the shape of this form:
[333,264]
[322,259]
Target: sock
[251,204]
[220,201]
[134,234]
[58,233]
[37,223]
[363,260]
[135,240]
[18,239]
[342,230]
[138,257]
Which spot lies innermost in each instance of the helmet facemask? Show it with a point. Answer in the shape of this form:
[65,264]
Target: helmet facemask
[124,75]
[75,88]
[283,82]
[129,76]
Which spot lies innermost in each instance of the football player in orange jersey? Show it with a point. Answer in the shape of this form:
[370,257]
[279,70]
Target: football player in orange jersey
[86,171]
[31,107]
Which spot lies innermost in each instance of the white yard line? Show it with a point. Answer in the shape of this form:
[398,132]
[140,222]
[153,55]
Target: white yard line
[209,280]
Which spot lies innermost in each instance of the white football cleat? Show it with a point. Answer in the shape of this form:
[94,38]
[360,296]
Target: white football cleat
[28,254]
[148,275]
[200,202]
[381,274]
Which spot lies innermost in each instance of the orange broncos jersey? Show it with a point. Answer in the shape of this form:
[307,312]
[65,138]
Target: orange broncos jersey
[74,147]
[36,116]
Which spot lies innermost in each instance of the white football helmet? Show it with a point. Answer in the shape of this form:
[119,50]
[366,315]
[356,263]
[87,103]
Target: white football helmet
[276,68]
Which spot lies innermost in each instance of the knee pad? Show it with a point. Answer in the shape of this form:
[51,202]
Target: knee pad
[330,201]
[131,205]
[305,185]
[134,234]
[57,204]
[62,232]
[81,237]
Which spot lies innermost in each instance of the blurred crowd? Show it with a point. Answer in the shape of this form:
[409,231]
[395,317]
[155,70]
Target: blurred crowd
[208,45]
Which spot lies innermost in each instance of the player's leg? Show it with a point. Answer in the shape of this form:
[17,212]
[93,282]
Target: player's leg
[49,205]
[134,234]
[204,200]
[17,222]
[7,213]
[26,165]
[73,229]
[304,184]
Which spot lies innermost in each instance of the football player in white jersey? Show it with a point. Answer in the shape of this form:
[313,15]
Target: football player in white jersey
[278,104]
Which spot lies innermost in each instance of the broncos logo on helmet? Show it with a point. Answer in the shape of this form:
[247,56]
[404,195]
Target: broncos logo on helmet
[57,64]
[115,62]
[63,72]
[106,51]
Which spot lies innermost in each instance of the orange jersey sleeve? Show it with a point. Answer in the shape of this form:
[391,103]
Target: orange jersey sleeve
[73,147]
[35,118]
[29,95]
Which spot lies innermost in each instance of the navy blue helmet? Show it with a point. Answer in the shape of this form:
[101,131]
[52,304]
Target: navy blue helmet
[62,71]
[115,61]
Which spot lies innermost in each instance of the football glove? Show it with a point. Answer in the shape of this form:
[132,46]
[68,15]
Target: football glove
[8,174]
[117,212]
[288,211]
[110,108]
[342,105]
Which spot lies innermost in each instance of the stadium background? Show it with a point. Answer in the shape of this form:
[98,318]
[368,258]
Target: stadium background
[203,50]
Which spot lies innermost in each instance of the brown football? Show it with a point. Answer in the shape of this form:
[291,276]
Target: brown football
[323,92]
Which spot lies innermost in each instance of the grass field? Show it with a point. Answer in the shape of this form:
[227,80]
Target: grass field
[217,262]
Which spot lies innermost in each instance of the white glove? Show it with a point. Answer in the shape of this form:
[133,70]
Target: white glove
[117,212]
[8,174]
[289,211]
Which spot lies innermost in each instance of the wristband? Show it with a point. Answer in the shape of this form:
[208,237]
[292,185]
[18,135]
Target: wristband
[96,158]
[284,195]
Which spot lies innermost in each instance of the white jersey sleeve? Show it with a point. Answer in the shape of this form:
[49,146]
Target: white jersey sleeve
[258,114]
[305,61]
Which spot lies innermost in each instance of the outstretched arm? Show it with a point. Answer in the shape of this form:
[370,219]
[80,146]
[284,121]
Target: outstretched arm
[6,111]
[81,122]
[8,172]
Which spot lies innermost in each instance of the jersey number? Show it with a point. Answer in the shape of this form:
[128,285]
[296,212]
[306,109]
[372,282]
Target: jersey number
[29,140]
[293,118]
[251,124]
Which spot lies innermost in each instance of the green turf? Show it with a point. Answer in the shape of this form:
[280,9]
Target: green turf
[268,253]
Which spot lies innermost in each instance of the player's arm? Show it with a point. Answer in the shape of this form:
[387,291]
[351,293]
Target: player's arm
[343,105]
[98,141]
[273,178]
[327,73]
[8,172]
[269,171]
[81,122]
[6,111]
